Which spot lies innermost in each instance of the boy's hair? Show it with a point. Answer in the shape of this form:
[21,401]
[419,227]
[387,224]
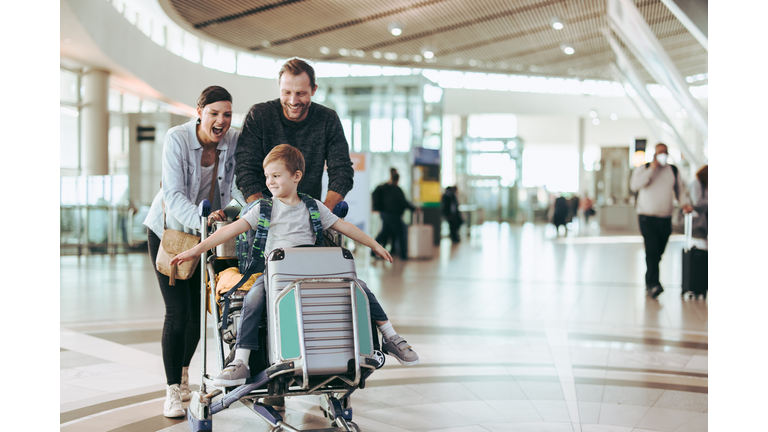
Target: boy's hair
[288,155]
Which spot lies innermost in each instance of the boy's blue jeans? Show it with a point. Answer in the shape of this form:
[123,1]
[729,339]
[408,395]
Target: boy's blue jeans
[253,308]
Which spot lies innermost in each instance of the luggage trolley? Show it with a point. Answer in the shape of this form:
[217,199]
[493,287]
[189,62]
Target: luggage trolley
[319,338]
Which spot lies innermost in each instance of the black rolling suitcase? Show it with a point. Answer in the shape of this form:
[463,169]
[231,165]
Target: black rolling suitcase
[695,276]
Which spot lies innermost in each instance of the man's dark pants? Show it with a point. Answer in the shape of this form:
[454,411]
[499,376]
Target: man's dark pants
[393,228]
[656,232]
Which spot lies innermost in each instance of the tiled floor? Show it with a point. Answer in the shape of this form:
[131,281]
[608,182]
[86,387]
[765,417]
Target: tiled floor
[516,331]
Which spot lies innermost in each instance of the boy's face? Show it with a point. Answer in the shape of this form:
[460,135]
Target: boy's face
[280,182]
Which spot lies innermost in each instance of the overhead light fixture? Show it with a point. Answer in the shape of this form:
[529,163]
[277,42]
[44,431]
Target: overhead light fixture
[325,50]
[556,22]
[427,52]
[593,114]
[395,29]
[595,121]
[569,50]
[614,117]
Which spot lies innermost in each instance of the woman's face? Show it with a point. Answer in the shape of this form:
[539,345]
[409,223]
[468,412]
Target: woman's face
[215,119]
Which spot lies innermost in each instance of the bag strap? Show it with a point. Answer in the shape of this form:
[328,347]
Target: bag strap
[314,218]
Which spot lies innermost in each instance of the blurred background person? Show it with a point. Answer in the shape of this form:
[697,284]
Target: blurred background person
[450,208]
[657,185]
[587,208]
[560,214]
[699,195]
[389,200]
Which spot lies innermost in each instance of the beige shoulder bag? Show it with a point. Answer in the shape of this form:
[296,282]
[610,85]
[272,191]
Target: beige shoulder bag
[175,242]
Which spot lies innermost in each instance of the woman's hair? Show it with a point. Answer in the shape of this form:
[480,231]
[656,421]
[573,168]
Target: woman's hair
[288,155]
[296,67]
[213,94]
[701,174]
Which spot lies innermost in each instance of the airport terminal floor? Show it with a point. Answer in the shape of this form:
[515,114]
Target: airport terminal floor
[516,330]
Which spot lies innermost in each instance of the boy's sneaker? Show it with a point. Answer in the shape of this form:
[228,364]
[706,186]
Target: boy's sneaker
[233,375]
[276,402]
[172,407]
[184,386]
[398,348]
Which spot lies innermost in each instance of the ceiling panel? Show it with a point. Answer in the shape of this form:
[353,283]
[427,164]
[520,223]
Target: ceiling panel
[492,36]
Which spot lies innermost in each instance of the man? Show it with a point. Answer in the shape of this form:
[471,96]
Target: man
[314,129]
[389,200]
[657,184]
[293,119]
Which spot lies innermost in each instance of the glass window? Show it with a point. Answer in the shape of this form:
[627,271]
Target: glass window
[131,103]
[492,126]
[432,94]
[226,61]
[346,124]
[331,70]
[175,39]
[158,32]
[381,135]
[148,107]
[191,48]
[114,101]
[477,81]
[357,136]
[68,86]
[69,137]
[402,135]
[210,54]
[364,70]
[557,169]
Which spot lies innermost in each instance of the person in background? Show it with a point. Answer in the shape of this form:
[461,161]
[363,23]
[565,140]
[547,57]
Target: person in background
[389,200]
[699,201]
[587,208]
[190,153]
[560,214]
[293,119]
[450,207]
[657,185]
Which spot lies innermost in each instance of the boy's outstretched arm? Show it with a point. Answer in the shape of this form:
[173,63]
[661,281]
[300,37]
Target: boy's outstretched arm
[355,234]
[220,236]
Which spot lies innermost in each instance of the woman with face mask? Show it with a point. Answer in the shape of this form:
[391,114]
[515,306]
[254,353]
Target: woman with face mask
[191,154]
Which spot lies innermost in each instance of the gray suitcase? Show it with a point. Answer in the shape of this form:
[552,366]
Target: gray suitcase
[420,238]
[311,292]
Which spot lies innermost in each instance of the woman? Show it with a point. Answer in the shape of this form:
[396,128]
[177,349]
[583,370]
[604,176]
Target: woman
[189,156]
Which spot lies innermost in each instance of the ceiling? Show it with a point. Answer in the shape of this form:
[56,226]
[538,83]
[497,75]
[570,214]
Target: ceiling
[491,36]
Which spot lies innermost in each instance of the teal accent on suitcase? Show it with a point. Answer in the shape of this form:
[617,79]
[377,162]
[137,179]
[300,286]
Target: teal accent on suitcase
[289,326]
[363,323]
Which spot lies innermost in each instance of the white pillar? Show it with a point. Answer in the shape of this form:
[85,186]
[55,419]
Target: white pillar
[580,143]
[94,157]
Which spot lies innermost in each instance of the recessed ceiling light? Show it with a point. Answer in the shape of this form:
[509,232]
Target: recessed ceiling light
[266,44]
[395,29]
[593,113]
[569,50]
[595,121]
[556,22]
[325,50]
[614,116]
[428,54]
[377,54]
[473,62]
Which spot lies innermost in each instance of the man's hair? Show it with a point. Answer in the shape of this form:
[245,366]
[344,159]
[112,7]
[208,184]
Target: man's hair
[213,94]
[702,175]
[288,155]
[393,175]
[296,67]
[665,146]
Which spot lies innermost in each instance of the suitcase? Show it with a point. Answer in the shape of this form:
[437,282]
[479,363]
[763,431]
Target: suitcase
[420,238]
[695,276]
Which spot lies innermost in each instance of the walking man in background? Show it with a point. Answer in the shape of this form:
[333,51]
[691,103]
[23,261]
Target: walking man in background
[657,185]
[389,200]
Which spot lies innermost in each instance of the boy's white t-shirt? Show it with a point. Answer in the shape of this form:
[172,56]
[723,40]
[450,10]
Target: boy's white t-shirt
[289,225]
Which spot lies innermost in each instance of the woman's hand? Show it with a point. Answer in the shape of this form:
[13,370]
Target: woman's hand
[218,215]
[382,252]
[185,256]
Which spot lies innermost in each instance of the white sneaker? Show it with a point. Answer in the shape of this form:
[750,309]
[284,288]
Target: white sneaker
[184,386]
[172,407]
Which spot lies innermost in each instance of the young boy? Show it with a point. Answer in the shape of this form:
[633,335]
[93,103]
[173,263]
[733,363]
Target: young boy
[289,227]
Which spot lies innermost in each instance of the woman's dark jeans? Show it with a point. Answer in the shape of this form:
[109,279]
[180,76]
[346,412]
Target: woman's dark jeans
[181,329]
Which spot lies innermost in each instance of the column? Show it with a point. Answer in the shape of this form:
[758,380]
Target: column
[94,157]
[580,142]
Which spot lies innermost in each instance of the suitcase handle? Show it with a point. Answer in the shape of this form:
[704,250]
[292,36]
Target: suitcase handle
[418,217]
[688,231]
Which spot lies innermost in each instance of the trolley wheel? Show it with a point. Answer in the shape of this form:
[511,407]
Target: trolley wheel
[354,426]
[379,357]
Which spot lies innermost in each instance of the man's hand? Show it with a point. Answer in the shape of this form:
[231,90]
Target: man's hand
[654,164]
[253,198]
[332,198]
[687,209]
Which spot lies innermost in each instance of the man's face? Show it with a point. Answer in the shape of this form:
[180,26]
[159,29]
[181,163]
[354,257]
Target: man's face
[296,95]
[661,149]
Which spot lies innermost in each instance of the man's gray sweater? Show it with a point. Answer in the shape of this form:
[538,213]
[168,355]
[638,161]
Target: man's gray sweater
[319,137]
